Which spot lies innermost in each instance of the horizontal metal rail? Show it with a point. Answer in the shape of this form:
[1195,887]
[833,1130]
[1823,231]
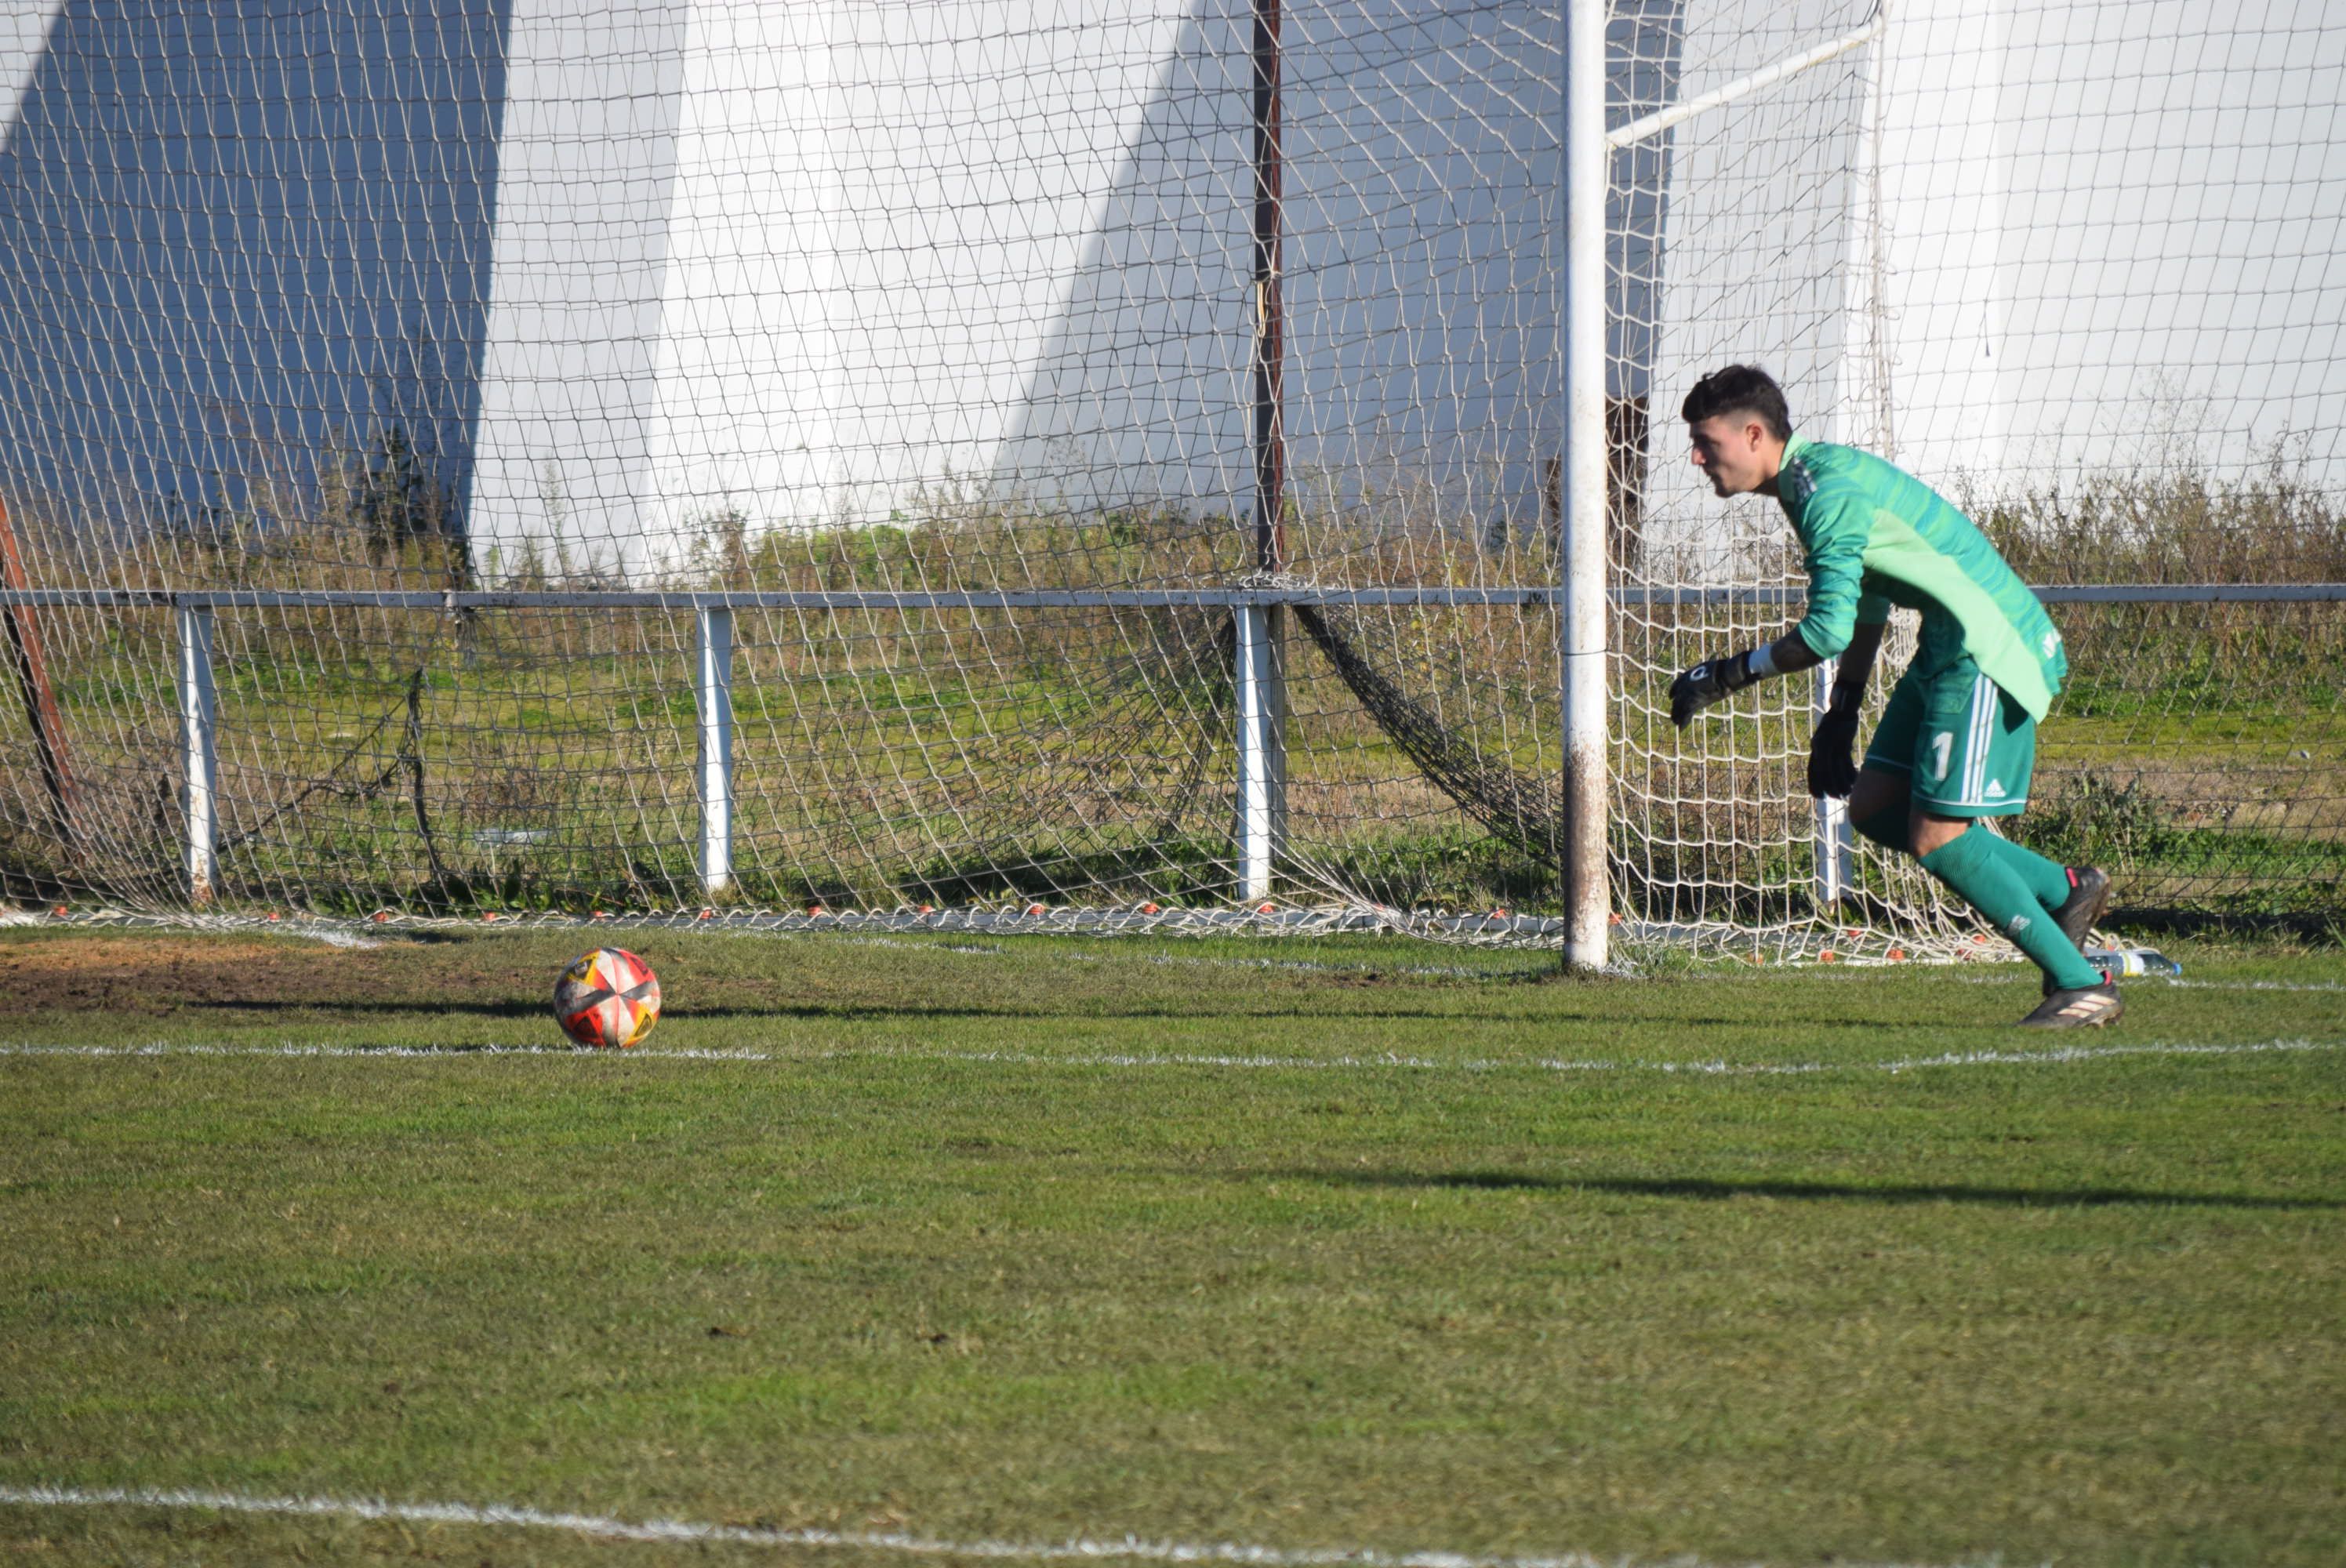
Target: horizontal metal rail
[2194,593]
[792,599]
[1433,598]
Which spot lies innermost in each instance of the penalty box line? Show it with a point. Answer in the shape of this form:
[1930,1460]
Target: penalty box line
[2057,1056]
[1130,1548]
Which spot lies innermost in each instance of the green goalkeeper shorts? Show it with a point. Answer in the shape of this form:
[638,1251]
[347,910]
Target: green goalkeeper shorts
[1969,747]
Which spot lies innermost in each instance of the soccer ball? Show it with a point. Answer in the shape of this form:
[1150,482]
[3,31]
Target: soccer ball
[608,999]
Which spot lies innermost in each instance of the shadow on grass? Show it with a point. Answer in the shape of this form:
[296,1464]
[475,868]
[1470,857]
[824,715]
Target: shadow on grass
[1332,1012]
[534,1008]
[858,1012]
[1709,1189]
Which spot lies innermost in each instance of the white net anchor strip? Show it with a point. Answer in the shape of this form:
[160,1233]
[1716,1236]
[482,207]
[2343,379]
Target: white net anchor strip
[1127,436]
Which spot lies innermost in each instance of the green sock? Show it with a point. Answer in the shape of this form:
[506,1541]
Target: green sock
[1972,866]
[2048,880]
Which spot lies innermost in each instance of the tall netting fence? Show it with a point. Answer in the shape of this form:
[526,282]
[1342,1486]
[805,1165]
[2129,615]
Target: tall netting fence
[1107,457]
[2070,264]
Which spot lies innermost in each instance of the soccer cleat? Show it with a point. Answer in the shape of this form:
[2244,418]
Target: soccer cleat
[2086,1007]
[2089,895]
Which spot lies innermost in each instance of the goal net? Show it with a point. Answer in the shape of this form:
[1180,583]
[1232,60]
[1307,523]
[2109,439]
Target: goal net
[1108,457]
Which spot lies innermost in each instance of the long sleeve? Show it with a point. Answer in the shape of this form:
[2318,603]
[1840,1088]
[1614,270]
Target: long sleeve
[1837,530]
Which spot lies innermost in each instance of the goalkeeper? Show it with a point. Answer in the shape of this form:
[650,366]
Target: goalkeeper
[1958,741]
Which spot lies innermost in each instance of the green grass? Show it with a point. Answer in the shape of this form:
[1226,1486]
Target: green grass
[2086,1311]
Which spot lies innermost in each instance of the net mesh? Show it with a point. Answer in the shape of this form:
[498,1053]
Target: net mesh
[968,297]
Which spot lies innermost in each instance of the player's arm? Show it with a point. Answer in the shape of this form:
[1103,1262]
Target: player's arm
[1844,622]
[1836,564]
[1832,762]
[1715,679]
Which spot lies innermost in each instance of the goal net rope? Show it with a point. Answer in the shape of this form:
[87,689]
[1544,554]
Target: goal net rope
[1130,437]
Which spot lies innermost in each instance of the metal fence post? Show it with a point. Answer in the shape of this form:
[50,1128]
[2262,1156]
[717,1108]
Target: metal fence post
[1836,870]
[713,697]
[200,753]
[1261,681]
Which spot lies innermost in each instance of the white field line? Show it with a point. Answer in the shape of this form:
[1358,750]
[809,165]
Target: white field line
[2057,1056]
[2128,981]
[1081,1549]
[288,1049]
[337,939]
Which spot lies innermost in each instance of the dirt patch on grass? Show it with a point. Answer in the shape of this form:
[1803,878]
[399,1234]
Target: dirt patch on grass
[168,974]
[159,976]
[64,951]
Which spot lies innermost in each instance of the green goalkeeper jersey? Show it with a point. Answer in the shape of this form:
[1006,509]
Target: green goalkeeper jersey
[1875,536]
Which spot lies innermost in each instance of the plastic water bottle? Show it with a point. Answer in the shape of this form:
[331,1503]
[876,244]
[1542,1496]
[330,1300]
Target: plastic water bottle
[2122,962]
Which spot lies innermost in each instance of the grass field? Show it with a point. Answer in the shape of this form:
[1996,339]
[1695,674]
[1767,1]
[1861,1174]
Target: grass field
[1352,1245]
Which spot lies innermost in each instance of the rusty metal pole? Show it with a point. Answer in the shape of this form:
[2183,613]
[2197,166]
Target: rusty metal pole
[48,726]
[1269,325]
[1261,669]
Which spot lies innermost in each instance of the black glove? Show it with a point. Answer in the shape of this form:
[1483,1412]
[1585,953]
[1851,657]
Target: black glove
[1704,684]
[1832,767]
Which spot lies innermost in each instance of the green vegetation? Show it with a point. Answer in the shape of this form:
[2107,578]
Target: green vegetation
[942,1257]
[2181,524]
[2088,820]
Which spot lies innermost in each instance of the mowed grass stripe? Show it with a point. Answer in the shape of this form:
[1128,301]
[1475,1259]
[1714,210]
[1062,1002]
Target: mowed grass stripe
[2048,1056]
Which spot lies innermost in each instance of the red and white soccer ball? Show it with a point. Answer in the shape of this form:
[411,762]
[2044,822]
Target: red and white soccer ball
[608,999]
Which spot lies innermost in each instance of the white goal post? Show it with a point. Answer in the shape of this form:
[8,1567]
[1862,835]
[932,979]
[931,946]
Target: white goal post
[1157,462]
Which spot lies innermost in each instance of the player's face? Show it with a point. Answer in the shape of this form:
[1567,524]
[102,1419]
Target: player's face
[1732,451]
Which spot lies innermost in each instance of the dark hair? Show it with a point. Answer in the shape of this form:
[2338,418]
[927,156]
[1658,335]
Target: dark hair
[1740,389]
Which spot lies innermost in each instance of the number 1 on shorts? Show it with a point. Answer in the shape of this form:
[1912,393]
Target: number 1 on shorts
[1943,746]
